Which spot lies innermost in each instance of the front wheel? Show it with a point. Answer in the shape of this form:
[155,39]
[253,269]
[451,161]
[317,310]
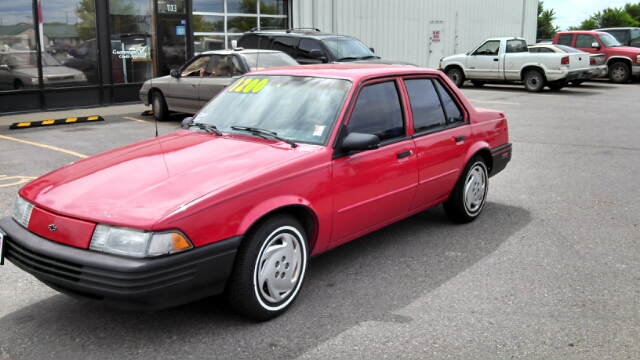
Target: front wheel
[619,73]
[269,269]
[533,81]
[159,107]
[470,193]
[456,76]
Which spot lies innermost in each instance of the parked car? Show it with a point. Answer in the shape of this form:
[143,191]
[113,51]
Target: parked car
[623,61]
[201,78]
[597,66]
[312,46]
[627,36]
[507,59]
[19,70]
[284,164]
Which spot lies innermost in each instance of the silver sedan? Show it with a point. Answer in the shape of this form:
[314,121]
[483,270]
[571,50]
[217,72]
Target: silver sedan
[189,88]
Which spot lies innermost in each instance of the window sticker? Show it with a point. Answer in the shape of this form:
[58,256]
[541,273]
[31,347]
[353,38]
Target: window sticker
[318,130]
[249,85]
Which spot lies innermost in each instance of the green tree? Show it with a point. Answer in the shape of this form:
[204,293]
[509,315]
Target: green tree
[546,29]
[633,11]
[86,25]
[616,17]
[588,24]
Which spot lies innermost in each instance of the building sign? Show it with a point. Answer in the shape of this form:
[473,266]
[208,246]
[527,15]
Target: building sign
[181,30]
[436,36]
[141,52]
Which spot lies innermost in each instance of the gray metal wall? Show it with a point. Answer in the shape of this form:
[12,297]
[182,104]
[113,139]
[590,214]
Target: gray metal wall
[404,29]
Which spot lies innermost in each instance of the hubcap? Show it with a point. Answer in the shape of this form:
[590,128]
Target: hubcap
[618,73]
[475,189]
[279,267]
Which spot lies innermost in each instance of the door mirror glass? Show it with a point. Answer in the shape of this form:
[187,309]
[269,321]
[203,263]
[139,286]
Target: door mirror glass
[595,45]
[360,142]
[175,73]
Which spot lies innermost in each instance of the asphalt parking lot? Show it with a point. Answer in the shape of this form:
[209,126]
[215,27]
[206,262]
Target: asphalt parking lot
[551,269]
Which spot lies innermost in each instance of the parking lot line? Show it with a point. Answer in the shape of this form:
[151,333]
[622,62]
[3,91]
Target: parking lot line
[44,146]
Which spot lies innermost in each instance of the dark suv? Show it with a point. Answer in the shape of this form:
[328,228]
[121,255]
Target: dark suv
[628,36]
[311,46]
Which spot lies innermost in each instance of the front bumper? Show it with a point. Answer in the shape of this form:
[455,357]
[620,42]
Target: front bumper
[635,69]
[119,282]
[144,96]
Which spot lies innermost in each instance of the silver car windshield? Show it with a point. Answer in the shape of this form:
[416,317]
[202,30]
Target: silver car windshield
[301,109]
[256,61]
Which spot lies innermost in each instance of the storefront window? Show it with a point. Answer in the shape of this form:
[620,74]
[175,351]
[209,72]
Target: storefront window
[132,46]
[18,43]
[240,15]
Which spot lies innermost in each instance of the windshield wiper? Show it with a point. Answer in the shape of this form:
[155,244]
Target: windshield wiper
[349,58]
[206,127]
[264,132]
[369,57]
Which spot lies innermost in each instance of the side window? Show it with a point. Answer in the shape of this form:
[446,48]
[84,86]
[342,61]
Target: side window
[194,68]
[565,39]
[488,48]
[425,105]
[219,65]
[516,46]
[585,41]
[306,45]
[378,112]
[451,109]
[254,42]
[284,44]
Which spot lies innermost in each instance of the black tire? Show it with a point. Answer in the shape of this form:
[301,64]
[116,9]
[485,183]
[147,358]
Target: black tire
[159,106]
[556,85]
[272,257]
[477,83]
[470,193]
[534,81]
[456,76]
[619,73]
[576,82]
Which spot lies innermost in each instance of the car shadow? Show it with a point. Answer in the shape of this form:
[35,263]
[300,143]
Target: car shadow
[368,279]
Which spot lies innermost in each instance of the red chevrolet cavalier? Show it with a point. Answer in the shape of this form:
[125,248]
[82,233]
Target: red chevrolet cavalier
[282,165]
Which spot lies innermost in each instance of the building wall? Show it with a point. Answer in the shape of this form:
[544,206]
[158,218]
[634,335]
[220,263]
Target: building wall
[404,29]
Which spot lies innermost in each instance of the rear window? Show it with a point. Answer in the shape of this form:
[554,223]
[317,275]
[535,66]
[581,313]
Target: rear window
[565,39]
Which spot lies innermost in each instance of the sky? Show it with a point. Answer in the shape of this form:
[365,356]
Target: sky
[574,12]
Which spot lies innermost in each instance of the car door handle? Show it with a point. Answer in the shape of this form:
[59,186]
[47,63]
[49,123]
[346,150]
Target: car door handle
[460,138]
[193,85]
[405,154]
[495,59]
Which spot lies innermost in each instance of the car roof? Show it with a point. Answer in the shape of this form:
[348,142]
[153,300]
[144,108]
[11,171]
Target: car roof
[355,72]
[591,32]
[304,32]
[619,28]
[239,51]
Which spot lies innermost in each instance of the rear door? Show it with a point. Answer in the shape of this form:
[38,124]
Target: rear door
[374,187]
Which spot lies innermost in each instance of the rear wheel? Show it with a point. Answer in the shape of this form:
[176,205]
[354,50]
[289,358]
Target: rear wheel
[470,193]
[456,76]
[533,81]
[478,83]
[619,73]
[159,106]
[269,269]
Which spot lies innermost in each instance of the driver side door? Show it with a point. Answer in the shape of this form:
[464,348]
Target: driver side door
[484,62]
[182,92]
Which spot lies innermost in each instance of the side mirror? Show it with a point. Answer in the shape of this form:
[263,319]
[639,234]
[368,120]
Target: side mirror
[595,45]
[175,73]
[316,54]
[358,142]
[5,67]
[186,120]
[372,50]
[72,52]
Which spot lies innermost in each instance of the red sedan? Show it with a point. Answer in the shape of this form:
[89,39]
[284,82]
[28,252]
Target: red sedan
[284,164]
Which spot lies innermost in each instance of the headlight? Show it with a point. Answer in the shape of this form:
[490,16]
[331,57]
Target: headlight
[22,211]
[80,77]
[137,243]
[34,80]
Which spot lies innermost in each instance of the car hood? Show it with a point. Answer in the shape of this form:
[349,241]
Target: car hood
[139,184]
[48,71]
[458,57]
[629,51]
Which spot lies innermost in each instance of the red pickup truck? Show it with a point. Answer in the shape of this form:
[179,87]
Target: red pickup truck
[623,61]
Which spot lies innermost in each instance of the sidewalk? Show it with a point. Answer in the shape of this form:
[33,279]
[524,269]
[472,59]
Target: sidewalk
[103,111]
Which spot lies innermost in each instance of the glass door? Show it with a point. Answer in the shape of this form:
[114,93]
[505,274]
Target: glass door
[172,39]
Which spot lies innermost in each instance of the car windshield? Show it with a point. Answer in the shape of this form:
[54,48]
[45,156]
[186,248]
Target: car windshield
[568,49]
[28,59]
[259,60]
[346,48]
[608,40]
[301,109]
[635,34]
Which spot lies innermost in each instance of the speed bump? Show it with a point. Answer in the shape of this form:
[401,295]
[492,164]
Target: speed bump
[71,120]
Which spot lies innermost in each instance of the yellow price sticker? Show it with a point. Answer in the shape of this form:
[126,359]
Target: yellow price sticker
[249,85]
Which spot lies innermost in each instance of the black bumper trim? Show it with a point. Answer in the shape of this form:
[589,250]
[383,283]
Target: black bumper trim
[501,157]
[125,283]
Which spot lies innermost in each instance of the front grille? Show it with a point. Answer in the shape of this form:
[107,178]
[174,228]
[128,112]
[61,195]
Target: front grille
[42,264]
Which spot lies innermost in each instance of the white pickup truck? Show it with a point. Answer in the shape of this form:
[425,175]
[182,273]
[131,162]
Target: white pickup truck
[508,60]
